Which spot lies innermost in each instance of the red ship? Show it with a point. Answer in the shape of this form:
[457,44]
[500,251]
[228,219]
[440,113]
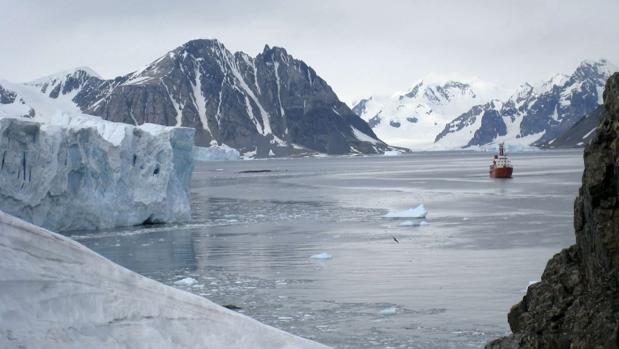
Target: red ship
[501,165]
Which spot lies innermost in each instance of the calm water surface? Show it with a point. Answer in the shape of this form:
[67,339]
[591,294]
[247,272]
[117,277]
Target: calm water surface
[447,284]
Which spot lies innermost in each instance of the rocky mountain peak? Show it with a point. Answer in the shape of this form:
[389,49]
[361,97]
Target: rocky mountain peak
[268,105]
[64,82]
[594,69]
[556,81]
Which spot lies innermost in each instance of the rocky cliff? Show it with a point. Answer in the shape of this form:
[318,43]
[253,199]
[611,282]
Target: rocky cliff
[576,303]
[580,134]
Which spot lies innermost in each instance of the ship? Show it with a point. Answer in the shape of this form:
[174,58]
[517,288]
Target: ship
[501,165]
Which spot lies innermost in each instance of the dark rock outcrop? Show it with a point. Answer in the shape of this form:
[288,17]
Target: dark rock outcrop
[6,96]
[580,134]
[576,303]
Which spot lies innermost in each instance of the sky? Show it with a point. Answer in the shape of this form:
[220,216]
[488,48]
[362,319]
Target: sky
[359,47]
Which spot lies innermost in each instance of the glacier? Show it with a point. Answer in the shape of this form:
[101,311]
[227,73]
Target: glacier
[67,171]
[215,152]
[56,293]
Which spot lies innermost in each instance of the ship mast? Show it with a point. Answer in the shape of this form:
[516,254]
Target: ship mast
[501,151]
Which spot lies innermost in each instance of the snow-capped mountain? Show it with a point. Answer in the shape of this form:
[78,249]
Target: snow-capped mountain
[268,105]
[533,115]
[413,119]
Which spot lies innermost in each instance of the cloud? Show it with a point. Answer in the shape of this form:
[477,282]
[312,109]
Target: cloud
[360,47]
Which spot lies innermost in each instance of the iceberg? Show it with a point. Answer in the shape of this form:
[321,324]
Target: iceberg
[417,212]
[323,255]
[56,293]
[186,282]
[71,172]
[215,152]
[392,153]
[389,311]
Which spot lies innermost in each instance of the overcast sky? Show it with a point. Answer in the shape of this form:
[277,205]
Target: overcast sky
[359,47]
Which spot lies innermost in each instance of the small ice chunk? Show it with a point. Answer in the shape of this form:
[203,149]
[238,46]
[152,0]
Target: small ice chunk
[323,255]
[423,223]
[417,212]
[389,311]
[392,153]
[186,282]
[465,218]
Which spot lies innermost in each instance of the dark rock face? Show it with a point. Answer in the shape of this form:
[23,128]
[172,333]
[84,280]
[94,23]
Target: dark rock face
[467,119]
[271,104]
[576,304]
[6,96]
[580,134]
[492,125]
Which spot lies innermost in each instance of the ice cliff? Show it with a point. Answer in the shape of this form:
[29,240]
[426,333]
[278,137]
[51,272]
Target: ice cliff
[56,293]
[80,172]
[215,153]
[576,303]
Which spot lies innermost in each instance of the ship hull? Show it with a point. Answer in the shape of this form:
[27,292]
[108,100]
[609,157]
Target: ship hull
[501,172]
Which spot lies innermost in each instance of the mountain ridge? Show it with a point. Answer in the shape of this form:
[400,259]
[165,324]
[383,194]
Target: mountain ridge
[533,114]
[268,105]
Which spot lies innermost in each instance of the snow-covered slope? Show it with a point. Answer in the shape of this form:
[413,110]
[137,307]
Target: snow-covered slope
[413,119]
[28,101]
[533,115]
[55,293]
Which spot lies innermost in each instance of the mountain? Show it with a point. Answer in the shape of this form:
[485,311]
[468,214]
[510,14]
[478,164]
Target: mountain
[533,115]
[268,105]
[579,134]
[413,119]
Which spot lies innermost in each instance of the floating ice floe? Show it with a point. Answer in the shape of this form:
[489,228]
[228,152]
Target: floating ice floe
[389,311]
[392,153]
[417,212]
[186,282]
[215,152]
[323,255]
